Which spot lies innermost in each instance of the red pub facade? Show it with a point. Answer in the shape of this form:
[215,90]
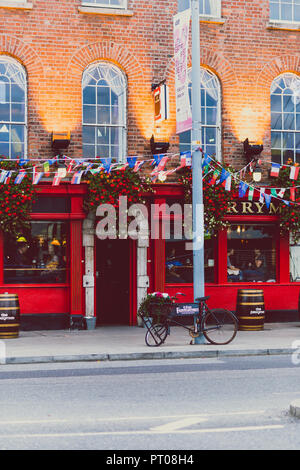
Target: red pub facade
[88,68]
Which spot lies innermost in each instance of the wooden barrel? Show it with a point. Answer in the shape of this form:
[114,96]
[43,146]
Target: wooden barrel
[9,316]
[250,309]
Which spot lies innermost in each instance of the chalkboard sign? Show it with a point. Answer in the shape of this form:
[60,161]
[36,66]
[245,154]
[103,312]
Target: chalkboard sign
[182,310]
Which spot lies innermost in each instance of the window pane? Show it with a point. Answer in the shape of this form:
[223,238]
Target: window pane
[286,12]
[289,121]
[88,151]
[40,256]
[17,94]
[4,112]
[103,136]
[18,112]
[89,114]
[103,114]
[276,103]
[276,121]
[274,11]
[251,255]
[4,149]
[89,95]
[103,95]
[276,140]
[88,134]
[276,156]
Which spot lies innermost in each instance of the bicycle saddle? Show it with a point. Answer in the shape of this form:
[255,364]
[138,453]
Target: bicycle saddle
[202,299]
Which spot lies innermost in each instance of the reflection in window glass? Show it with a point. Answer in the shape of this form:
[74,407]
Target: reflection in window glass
[285,10]
[294,261]
[179,261]
[39,256]
[251,253]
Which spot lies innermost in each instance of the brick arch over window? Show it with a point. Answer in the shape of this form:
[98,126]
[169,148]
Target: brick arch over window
[105,51]
[19,50]
[276,67]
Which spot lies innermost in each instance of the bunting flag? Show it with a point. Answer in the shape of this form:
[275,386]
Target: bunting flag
[8,177]
[224,175]
[242,189]
[187,157]
[70,166]
[228,183]
[214,177]
[77,177]
[138,165]
[161,165]
[275,168]
[293,194]
[37,177]
[206,160]
[268,199]
[250,193]
[261,195]
[47,168]
[294,172]
[106,162]
[131,161]
[274,192]
[3,175]
[19,177]
[281,192]
[56,179]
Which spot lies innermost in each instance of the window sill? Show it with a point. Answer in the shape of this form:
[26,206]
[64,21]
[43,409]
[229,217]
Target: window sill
[105,11]
[21,5]
[285,25]
[211,19]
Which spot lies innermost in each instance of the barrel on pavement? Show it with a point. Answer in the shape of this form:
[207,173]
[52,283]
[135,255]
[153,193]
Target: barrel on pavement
[250,309]
[9,316]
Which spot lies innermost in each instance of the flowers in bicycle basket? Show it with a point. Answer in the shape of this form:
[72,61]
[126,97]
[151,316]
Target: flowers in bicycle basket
[155,305]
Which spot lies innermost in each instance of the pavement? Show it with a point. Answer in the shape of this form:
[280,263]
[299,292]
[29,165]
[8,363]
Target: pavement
[117,343]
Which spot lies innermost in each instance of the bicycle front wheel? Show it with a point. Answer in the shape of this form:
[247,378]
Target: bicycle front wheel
[156,335]
[219,326]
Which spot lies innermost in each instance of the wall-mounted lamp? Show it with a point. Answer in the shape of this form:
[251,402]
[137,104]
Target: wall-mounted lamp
[158,147]
[60,141]
[252,150]
[257,173]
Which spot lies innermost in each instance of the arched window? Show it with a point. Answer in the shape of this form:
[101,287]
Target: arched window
[13,108]
[104,91]
[285,118]
[210,115]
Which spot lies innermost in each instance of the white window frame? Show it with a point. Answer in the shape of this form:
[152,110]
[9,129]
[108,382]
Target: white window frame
[122,124]
[16,69]
[217,126]
[291,81]
[215,8]
[103,4]
[280,19]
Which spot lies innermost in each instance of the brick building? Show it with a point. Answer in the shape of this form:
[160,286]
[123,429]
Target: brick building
[87,68]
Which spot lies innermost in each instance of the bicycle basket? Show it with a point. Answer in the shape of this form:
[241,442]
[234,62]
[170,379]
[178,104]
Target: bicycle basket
[157,309]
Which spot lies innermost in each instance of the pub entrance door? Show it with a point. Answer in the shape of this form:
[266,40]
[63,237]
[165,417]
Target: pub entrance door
[113,282]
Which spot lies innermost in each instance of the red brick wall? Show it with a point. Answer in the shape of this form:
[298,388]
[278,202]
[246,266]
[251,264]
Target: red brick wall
[55,43]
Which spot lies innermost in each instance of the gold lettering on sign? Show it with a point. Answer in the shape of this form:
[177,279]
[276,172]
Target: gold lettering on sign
[259,207]
[232,208]
[247,208]
[274,209]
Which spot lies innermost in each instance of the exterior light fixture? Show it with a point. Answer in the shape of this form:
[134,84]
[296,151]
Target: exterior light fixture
[252,150]
[158,147]
[60,141]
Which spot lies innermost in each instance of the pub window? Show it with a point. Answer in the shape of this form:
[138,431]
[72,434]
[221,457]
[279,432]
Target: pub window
[105,3]
[210,8]
[13,108]
[179,259]
[251,253]
[285,10]
[285,119]
[294,260]
[51,205]
[39,256]
[210,115]
[104,132]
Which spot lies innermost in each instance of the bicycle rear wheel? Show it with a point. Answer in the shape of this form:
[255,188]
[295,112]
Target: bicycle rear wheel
[219,326]
[156,335]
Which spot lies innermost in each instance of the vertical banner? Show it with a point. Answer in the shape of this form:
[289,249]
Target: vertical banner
[181,23]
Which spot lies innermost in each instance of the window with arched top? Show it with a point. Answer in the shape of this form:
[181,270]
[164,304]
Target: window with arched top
[104,102]
[285,119]
[13,108]
[210,115]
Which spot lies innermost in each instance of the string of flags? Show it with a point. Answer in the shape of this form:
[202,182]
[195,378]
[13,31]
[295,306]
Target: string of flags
[219,175]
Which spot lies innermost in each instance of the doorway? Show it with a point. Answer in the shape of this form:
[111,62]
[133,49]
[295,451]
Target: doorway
[113,282]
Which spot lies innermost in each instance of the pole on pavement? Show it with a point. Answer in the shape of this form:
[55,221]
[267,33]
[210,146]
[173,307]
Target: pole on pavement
[197,191]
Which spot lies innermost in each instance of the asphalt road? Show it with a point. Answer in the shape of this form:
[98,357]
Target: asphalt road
[200,404]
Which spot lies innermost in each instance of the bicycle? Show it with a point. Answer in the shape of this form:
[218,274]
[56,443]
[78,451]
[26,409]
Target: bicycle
[219,326]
